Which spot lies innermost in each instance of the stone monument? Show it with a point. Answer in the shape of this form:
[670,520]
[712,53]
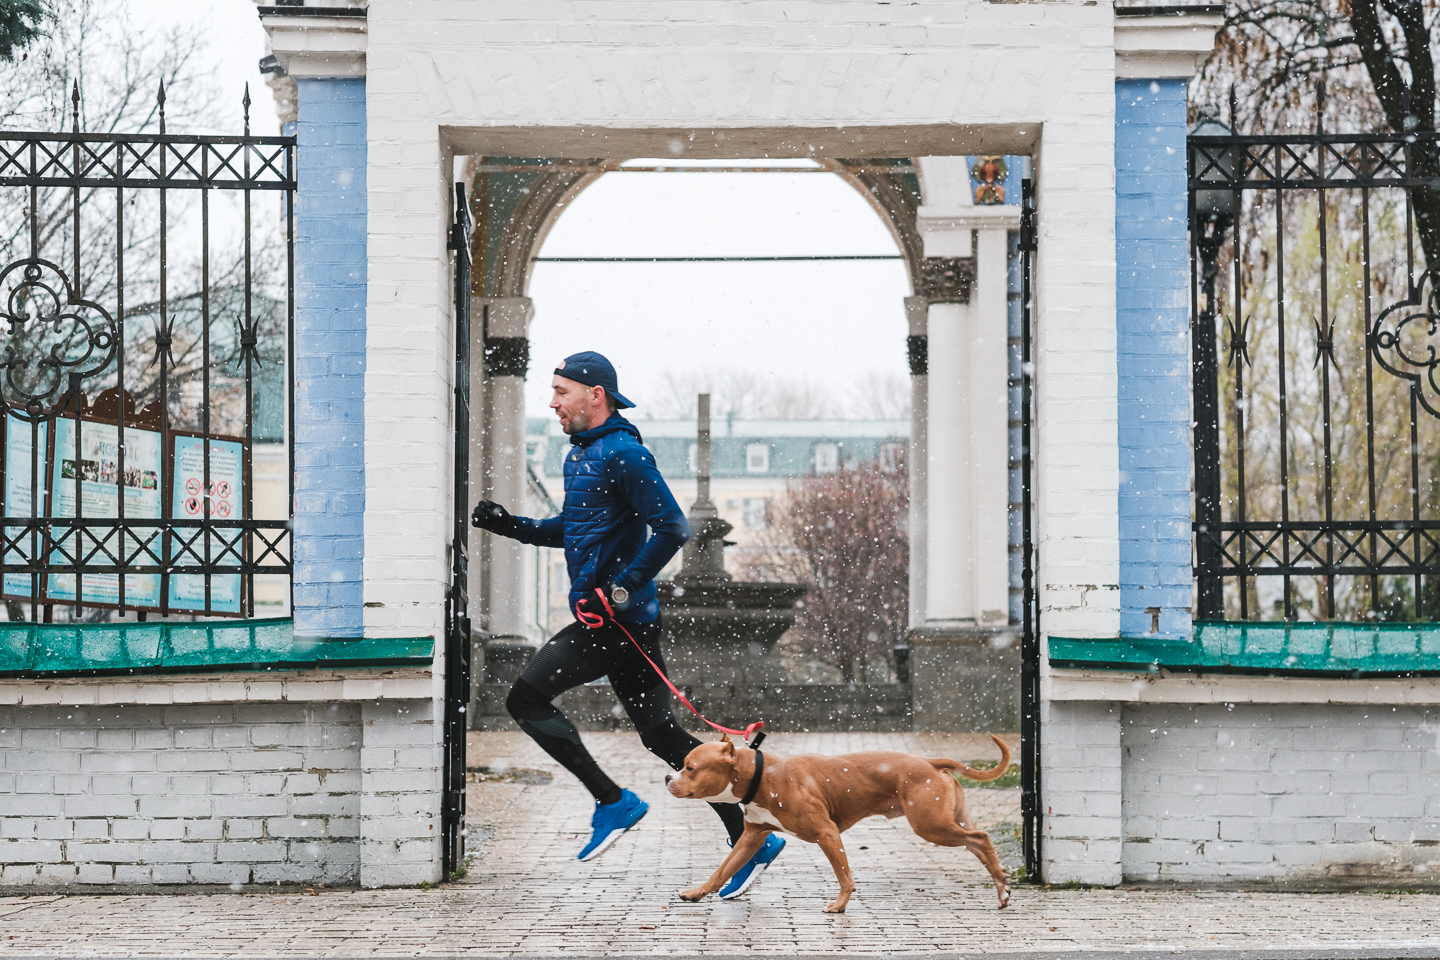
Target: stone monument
[720,632]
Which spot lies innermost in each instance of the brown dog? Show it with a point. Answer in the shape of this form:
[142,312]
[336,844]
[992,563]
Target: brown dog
[817,798]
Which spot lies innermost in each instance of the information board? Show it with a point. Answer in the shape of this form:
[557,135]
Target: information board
[100,487]
[23,497]
[226,497]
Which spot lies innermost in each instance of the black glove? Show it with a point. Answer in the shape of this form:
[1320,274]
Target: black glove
[489,515]
[599,606]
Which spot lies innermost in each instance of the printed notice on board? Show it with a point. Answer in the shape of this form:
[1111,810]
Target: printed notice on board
[227,502]
[95,474]
[23,498]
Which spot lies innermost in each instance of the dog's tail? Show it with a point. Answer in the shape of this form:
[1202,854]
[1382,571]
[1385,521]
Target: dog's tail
[970,773]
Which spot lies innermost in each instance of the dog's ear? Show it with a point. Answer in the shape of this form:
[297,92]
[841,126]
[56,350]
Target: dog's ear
[724,738]
[729,747]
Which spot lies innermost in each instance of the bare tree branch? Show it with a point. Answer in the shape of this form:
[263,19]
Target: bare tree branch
[844,536]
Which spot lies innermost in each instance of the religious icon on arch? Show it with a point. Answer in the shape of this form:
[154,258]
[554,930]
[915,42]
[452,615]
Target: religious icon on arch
[989,174]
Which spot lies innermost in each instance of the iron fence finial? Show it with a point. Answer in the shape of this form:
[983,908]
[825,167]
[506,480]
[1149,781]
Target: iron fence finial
[75,104]
[245,102]
[160,102]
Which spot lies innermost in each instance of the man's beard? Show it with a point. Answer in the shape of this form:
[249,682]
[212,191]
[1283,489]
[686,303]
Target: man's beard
[578,423]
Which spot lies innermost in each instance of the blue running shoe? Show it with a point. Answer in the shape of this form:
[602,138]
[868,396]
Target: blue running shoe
[745,878]
[610,821]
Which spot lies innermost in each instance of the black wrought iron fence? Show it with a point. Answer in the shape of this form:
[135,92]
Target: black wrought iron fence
[1317,443]
[146,309]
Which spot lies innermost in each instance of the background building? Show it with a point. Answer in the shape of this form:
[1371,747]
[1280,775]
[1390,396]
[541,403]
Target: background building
[752,461]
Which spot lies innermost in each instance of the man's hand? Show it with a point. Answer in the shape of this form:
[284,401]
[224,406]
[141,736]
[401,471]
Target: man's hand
[489,515]
[619,596]
[599,607]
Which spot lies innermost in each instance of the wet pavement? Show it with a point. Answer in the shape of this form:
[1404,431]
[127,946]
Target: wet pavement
[526,895]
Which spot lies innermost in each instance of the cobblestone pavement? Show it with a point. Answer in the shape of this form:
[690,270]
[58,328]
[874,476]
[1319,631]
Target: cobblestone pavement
[525,894]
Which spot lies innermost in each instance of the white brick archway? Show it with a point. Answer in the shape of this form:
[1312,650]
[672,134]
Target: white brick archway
[809,78]
[946,233]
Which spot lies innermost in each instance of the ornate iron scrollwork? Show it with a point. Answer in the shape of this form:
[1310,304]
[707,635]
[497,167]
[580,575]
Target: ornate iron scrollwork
[53,335]
[1404,338]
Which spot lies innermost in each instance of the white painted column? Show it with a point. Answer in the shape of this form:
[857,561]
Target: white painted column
[949,590]
[988,445]
[967,459]
[917,314]
[479,434]
[507,320]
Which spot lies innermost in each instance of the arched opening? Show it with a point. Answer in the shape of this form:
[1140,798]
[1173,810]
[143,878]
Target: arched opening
[551,238]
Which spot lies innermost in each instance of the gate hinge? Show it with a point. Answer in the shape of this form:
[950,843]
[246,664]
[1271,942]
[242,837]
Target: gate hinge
[457,238]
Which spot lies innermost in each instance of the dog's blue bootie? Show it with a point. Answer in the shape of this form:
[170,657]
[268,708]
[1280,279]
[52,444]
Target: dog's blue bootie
[745,878]
[610,821]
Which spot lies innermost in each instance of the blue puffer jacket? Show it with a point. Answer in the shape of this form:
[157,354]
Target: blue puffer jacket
[613,491]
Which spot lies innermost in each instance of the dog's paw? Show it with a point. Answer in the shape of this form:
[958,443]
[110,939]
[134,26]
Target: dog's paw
[693,894]
[1004,899]
[835,906]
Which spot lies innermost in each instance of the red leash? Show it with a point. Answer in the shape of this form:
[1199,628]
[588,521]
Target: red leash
[594,620]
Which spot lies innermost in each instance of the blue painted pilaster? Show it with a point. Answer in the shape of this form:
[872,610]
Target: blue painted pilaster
[330,275]
[1152,277]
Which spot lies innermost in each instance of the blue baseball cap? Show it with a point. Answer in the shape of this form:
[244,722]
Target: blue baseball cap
[593,370]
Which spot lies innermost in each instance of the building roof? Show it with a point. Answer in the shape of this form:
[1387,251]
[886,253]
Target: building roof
[789,446]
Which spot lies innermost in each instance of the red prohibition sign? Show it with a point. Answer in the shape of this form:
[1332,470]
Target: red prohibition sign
[192,506]
[223,490]
[192,486]
[223,508]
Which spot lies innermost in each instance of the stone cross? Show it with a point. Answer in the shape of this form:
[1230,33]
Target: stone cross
[704,557]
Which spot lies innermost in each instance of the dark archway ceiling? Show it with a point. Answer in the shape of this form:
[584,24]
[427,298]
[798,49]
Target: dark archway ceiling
[514,208]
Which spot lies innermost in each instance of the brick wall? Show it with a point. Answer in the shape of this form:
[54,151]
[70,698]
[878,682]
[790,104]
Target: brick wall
[1080,792]
[206,793]
[1307,792]
[400,805]
[330,285]
[1152,317]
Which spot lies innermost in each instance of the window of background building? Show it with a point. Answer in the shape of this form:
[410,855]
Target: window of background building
[891,456]
[757,513]
[695,458]
[827,457]
[757,458]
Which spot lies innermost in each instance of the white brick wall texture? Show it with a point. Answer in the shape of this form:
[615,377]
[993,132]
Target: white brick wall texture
[221,688]
[877,75]
[1080,760]
[400,801]
[199,794]
[1297,792]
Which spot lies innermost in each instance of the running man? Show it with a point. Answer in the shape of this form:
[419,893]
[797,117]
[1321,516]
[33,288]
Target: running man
[613,492]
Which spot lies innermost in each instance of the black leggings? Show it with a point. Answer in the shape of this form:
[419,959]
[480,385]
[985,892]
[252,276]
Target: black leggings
[579,655]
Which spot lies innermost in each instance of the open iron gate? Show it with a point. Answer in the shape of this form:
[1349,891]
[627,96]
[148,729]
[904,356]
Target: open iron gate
[1030,807]
[457,602]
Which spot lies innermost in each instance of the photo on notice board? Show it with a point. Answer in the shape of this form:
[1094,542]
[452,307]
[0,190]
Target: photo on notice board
[24,498]
[224,493]
[93,472]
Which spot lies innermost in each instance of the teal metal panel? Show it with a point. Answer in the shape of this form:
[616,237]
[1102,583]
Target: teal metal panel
[46,650]
[1293,649]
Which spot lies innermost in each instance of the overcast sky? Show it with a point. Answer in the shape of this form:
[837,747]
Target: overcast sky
[826,322]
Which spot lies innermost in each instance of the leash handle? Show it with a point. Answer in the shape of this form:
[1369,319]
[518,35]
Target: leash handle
[594,620]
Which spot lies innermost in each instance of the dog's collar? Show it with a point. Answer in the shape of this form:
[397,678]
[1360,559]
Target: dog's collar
[754,787]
